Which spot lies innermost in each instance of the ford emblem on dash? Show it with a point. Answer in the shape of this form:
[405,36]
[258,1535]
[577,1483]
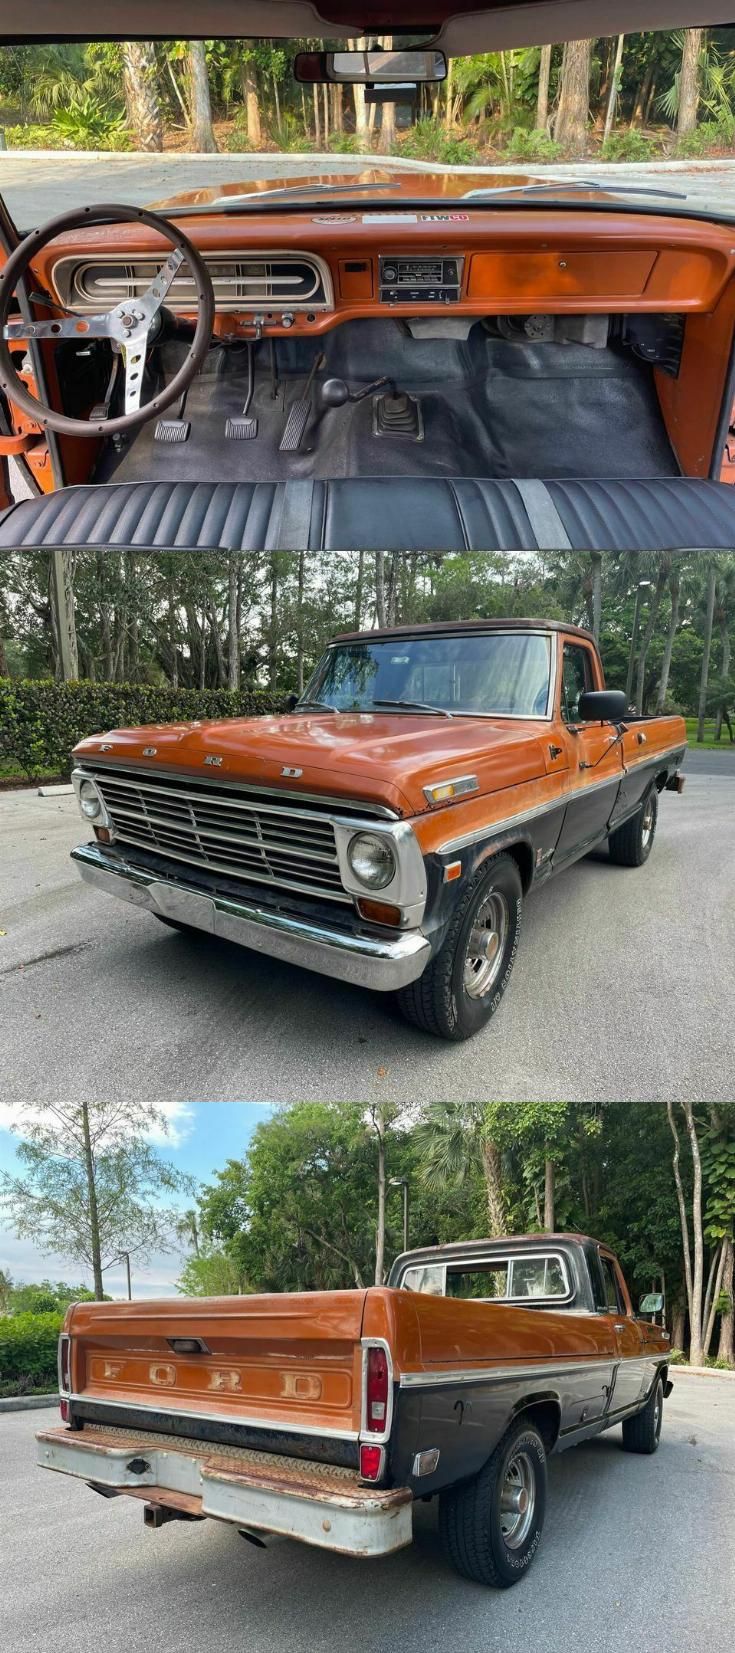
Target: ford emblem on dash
[210,758]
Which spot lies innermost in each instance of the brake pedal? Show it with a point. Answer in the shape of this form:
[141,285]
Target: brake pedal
[398,415]
[177,429]
[300,413]
[172,430]
[243,427]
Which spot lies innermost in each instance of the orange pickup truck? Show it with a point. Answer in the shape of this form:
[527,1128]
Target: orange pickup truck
[387,829]
[324,1415]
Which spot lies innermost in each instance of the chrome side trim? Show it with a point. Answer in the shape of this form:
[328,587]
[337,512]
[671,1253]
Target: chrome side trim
[383,963]
[372,1436]
[278,1424]
[503,1374]
[560,802]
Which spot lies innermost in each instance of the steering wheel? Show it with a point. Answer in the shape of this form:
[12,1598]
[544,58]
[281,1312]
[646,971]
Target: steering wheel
[127,325]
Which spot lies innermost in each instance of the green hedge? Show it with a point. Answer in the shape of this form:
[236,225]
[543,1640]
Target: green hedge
[28,1344]
[41,721]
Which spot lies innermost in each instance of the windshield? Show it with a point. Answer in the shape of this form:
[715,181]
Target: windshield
[226,126]
[492,674]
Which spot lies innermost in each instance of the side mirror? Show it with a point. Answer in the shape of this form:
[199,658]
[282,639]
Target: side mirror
[602,706]
[652,1303]
[366,68]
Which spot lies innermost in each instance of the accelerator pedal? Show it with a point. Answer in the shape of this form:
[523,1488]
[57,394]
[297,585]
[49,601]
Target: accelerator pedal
[299,414]
[398,415]
[244,428]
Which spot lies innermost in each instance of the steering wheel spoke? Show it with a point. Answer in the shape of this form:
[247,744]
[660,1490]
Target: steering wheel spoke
[127,325]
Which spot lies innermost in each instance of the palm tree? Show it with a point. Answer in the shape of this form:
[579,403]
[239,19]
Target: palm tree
[574,99]
[141,94]
[452,1142]
[203,140]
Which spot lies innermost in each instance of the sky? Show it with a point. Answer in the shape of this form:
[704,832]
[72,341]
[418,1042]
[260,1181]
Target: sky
[201,1137]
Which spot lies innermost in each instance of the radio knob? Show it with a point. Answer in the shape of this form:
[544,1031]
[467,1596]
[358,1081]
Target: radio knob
[390,274]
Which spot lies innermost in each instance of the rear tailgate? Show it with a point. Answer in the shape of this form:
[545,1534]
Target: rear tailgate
[261,1366]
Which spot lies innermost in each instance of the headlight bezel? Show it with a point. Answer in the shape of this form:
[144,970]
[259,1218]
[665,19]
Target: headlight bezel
[88,793]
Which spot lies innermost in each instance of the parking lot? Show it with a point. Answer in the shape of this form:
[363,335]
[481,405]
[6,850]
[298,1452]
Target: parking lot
[636,1555]
[621,989]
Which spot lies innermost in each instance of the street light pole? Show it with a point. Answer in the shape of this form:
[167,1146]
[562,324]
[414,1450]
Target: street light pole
[402,1182]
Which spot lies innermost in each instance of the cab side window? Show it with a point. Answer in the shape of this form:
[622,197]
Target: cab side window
[576,679]
[613,1301]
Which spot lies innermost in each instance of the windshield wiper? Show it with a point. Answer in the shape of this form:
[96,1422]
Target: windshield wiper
[225,202]
[563,184]
[416,706]
[316,705]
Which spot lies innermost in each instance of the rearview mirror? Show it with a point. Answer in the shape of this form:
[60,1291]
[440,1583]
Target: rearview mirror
[652,1303]
[602,706]
[366,68]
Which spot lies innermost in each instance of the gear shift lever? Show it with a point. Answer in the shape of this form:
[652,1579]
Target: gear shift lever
[333,393]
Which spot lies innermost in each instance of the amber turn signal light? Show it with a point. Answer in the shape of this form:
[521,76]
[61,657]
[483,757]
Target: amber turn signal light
[379,912]
[103,833]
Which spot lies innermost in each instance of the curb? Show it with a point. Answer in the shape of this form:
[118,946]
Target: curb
[27,1403]
[56,791]
[701,1371]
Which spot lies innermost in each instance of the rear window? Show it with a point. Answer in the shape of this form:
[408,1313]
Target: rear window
[541,1277]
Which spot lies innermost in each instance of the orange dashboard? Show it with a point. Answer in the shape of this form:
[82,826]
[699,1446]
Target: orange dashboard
[308,272]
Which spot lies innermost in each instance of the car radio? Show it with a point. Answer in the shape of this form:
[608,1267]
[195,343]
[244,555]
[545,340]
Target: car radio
[428,280]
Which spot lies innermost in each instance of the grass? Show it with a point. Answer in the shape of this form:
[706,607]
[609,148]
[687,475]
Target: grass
[709,736]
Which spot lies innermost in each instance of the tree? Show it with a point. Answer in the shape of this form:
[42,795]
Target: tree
[90,1181]
[211,1273]
[689,81]
[614,87]
[140,84]
[574,98]
[452,1139]
[6,1291]
[542,99]
[704,679]
[203,140]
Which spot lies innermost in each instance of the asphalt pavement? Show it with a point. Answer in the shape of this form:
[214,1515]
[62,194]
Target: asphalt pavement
[622,987]
[38,184]
[636,1557]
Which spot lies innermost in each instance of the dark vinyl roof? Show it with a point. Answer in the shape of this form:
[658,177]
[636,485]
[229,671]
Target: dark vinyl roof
[453,628]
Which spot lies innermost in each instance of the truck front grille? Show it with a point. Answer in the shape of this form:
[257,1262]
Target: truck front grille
[239,833]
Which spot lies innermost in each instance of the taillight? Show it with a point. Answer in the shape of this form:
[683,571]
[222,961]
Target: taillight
[64,1364]
[377,1390]
[371,1462]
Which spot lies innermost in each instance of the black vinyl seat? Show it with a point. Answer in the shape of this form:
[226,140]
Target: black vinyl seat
[381,513]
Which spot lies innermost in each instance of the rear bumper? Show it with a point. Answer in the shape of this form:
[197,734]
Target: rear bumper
[383,964]
[315,1503]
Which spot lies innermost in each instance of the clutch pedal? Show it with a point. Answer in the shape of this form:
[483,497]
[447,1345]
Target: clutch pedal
[299,414]
[243,427]
[398,415]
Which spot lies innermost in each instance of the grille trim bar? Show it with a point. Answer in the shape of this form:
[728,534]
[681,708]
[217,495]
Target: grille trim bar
[137,811]
[327,803]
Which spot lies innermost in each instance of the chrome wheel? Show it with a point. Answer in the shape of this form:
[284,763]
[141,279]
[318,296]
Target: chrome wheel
[648,822]
[486,946]
[518,1501]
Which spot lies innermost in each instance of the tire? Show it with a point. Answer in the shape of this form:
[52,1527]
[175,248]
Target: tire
[643,1432]
[453,1001]
[631,844]
[483,1542]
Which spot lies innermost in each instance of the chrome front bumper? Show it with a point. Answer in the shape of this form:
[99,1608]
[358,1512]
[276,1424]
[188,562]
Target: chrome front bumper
[383,964]
[316,1503]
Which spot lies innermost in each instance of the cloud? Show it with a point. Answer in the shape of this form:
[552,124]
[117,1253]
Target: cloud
[178,1117]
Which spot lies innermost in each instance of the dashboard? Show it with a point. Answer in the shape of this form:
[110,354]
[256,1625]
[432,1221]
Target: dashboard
[310,272]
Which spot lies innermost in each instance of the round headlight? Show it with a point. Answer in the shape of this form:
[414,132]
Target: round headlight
[90,802]
[372,860]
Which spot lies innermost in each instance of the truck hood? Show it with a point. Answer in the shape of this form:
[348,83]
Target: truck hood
[373,757]
[404,182]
